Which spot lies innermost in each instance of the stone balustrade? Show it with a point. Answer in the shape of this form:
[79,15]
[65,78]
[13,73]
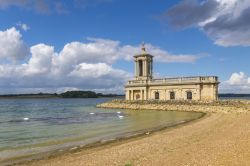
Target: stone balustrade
[175,80]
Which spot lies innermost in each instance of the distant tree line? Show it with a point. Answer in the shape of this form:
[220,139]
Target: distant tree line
[68,94]
[233,95]
[79,94]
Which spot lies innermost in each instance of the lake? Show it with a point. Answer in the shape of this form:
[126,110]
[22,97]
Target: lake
[31,128]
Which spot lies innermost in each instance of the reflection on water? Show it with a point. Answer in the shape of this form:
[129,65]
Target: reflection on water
[32,126]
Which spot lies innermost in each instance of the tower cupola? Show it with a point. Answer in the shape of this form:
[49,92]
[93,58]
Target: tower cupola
[143,65]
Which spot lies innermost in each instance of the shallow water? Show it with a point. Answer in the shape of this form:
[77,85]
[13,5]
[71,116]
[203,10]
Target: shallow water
[33,126]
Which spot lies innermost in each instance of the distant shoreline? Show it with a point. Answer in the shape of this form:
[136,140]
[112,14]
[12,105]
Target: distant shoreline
[53,97]
[68,94]
[28,97]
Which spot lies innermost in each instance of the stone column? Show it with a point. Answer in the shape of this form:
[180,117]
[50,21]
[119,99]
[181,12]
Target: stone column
[129,96]
[132,94]
[214,92]
[141,95]
[143,64]
[136,68]
[151,67]
[146,94]
[199,92]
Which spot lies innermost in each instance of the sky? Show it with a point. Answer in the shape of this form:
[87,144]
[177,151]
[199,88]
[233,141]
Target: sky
[60,45]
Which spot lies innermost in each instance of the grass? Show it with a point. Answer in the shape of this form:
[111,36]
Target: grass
[128,164]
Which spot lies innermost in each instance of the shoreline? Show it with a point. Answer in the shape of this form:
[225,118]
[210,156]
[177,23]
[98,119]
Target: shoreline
[220,137]
[99,144]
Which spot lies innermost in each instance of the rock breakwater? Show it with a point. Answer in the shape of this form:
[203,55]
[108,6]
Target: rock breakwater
[220,106]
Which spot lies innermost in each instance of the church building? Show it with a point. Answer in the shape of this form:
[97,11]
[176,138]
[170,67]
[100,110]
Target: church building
[145,87]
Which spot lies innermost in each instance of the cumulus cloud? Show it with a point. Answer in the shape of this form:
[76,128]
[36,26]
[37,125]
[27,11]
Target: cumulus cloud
[100,69]
[40,61]
[225,21]
[102,73]
[165,56]
[109,51]
[237,83]
[238,79]
[80,65]
[12,49]
[190,12]
[127,51]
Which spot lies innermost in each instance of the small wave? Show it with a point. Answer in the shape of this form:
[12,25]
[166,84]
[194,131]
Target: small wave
[120,117]
[118,112]
[26,118]
[92,113]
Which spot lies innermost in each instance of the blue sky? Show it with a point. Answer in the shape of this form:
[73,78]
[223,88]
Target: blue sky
[88,44]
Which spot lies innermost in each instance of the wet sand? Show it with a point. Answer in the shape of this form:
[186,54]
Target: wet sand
[216,139]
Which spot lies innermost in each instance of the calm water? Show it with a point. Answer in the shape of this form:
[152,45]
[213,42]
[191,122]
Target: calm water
[234,98]
[30,127]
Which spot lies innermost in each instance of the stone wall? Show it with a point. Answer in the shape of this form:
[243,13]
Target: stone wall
[221,106]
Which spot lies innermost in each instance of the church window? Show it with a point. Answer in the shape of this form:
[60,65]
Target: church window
[189,95]
[157,95]
[172,95]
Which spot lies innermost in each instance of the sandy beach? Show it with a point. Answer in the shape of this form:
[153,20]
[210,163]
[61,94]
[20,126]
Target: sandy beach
[216,139]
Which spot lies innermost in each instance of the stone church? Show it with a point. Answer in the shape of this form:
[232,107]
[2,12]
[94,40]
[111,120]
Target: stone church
[145,87]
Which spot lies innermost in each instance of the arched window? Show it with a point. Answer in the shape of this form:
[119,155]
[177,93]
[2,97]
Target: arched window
[189,95]
[172,95]
[137,97]
[157,95]
[140,67]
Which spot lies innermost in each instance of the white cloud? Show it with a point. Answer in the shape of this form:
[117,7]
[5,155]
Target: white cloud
[95,50]
[164,56]
[225,21]
[100,70]
[126,52]
[238,79]
[109,51]
[237,83]
[40,61]
[80,65]
[12,47]
[23,26]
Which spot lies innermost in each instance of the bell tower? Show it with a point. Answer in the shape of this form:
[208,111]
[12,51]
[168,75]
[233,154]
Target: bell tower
[143,65]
